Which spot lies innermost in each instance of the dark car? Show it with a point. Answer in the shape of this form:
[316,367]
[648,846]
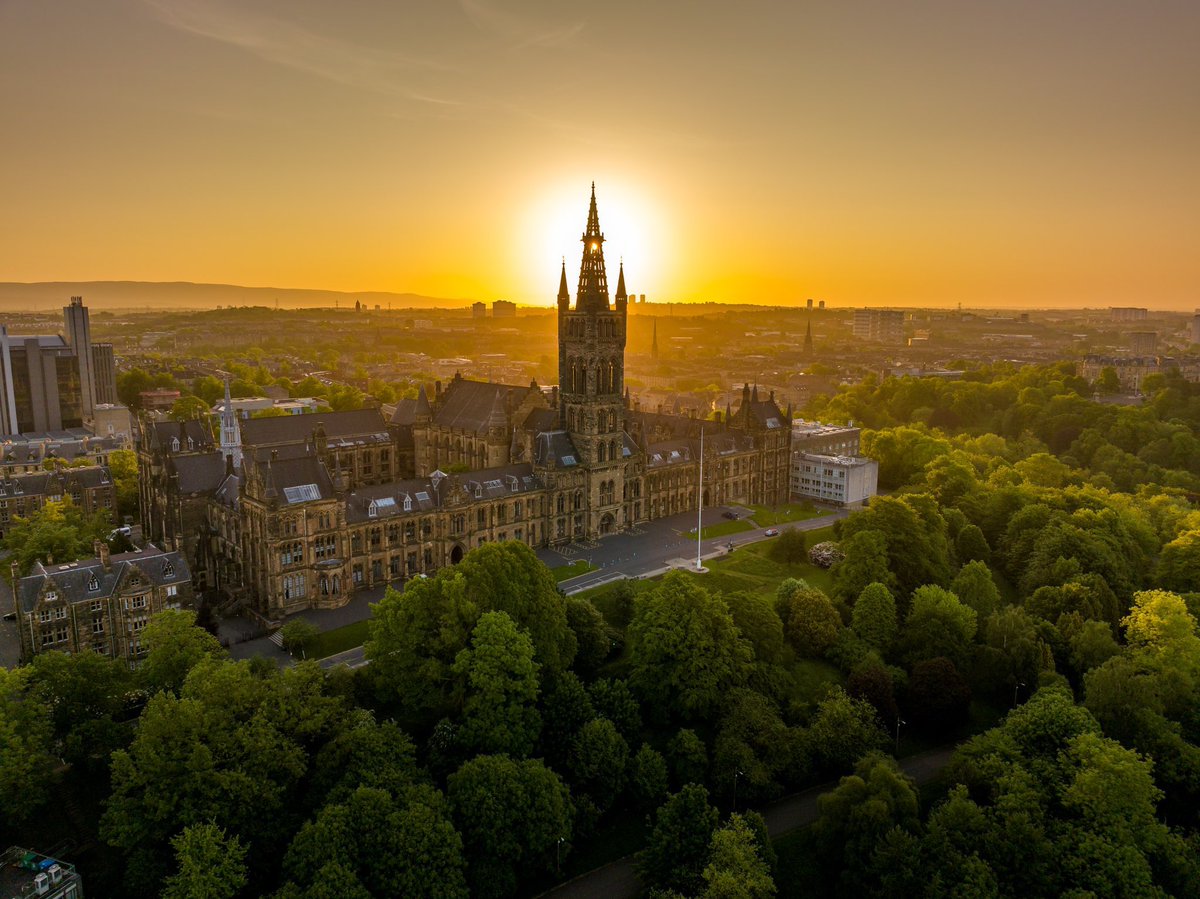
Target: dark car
[732,516]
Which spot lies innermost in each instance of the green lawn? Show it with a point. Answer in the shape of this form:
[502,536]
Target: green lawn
[724,528]
[774,516]
[339,640]
[571,569]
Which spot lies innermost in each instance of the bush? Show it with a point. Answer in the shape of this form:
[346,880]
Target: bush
[825,554]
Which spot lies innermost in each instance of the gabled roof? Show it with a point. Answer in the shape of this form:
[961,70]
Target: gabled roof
[423,494]
[555,449]
[200,473]
[541,420]
[405,413]
[298,428]
[467,405]
[72,581]
[296,480]
[49,483]
[162,432]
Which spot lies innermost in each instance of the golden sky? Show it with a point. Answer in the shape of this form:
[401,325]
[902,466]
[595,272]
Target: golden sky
[930,153]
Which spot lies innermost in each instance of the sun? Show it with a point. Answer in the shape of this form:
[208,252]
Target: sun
[553,224]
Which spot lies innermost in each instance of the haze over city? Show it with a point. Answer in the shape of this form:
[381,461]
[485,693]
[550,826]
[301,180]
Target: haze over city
[1020,154]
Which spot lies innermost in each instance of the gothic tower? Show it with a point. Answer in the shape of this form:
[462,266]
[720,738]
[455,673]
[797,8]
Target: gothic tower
[231,432]
[591,375]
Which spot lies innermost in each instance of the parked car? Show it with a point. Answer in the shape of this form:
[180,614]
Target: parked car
[732,516]
[772,532]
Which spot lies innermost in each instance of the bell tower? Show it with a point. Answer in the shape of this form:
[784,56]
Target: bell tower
[591,377]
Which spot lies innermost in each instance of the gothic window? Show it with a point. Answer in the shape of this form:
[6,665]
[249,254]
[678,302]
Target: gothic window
[600,450]
[174,444]
[562,504]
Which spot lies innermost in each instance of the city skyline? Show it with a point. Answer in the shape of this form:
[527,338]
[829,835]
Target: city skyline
[935,155]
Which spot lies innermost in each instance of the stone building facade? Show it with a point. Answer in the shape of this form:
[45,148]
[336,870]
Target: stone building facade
[90,488]
[100,604]
[311,507]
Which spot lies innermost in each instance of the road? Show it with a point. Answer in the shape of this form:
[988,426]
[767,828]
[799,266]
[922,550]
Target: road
[657,546]
[619,879]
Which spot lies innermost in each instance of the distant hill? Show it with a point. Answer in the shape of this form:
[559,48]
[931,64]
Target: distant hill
[108,295]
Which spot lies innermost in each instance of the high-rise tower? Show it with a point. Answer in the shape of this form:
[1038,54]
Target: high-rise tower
[79,336]
[591,375]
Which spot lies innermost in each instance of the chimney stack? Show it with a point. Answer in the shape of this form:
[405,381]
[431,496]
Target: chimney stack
[101,550]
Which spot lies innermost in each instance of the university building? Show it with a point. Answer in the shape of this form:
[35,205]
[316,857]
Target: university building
[291,513]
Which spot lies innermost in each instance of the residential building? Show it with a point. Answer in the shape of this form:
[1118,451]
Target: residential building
[504,309]
[25,874]
[1143,343]
[31,453]
[112,420]
[879,326]
[479,310]
[91,489]
[159,400]
[839,480]
[1128,313]
[100,604]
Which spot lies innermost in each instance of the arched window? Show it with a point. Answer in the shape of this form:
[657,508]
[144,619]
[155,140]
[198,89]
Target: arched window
[600,453]
[174,444]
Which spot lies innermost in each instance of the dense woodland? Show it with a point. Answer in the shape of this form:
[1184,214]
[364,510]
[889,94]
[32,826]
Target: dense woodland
[1028,590]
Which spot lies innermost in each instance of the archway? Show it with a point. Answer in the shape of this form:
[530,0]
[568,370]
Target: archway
[456,554]
[606,523]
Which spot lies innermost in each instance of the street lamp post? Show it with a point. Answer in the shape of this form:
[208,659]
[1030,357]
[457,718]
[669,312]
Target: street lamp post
[1018,685]
[899,721]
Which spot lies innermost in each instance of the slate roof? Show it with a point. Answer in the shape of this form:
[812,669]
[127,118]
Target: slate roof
[49,483]
[299,472]
[767,414]
[556,446]
[467,405]
[198,473]
[423,495]
[161,433]
[227,494]
[72,580]
[298,428]
[541,420]
[405,412]
[30,449]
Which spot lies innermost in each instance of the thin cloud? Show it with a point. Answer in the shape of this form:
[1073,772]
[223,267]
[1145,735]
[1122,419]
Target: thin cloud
[287,44]
[520,32]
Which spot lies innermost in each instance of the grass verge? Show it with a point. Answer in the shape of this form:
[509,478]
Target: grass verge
[571,569]
[724,528]
[774,516]
[339,639]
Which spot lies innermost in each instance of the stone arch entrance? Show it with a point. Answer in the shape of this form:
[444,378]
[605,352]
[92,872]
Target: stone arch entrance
[607,523]
[456,554]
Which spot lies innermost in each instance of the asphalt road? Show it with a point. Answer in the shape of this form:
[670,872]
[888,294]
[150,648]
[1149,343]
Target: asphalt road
[619,879]
[661,545]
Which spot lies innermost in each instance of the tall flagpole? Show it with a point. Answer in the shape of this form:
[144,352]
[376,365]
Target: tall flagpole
[700,500]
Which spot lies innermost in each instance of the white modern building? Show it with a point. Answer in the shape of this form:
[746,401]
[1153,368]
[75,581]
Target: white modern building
[838,480]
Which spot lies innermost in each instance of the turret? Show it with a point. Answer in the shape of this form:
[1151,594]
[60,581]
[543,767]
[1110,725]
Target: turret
[622,297]
[422,414]
[231,432]
[564,295]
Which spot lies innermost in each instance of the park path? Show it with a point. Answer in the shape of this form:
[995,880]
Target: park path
[619,879]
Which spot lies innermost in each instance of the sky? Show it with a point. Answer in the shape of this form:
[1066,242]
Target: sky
[865,153]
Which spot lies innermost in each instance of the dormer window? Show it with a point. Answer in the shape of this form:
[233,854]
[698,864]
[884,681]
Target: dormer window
[93,584]
[169,570]
[407,503]
[174,444]
[191,443]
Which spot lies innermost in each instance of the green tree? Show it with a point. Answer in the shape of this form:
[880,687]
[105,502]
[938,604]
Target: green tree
[758,623]
[57,533]
[599,761]
[189,408]
[938,696]
[916,539]
[874,617]
[1179,563]
[298,635]
[810,621]
[614,700]
[790,547]
[648,777]
[858,814]
[364,753]
[210,864]
[866,562]
[843,730]
[676,851]
[755,748]
[938,625]
[566,707]
[500,683]
[735,868]
[513,816]
[591,634]
[689,757]
[974,587]
[417,635]
[1109,381]
[174,646]
[85,692]
[685,652]
[972,545]
[122,465]
[398,845]
[26,733]
[209,389]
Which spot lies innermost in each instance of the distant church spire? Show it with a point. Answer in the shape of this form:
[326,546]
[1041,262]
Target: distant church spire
[621,294]
[808,344]
[564,295]
[231,432]
[654,342]
[593,283]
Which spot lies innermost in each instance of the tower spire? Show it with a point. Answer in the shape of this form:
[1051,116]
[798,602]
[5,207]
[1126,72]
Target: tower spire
[621,294]
[231,432]
[564,295]
[593,283]
[654,342]
[808,341]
